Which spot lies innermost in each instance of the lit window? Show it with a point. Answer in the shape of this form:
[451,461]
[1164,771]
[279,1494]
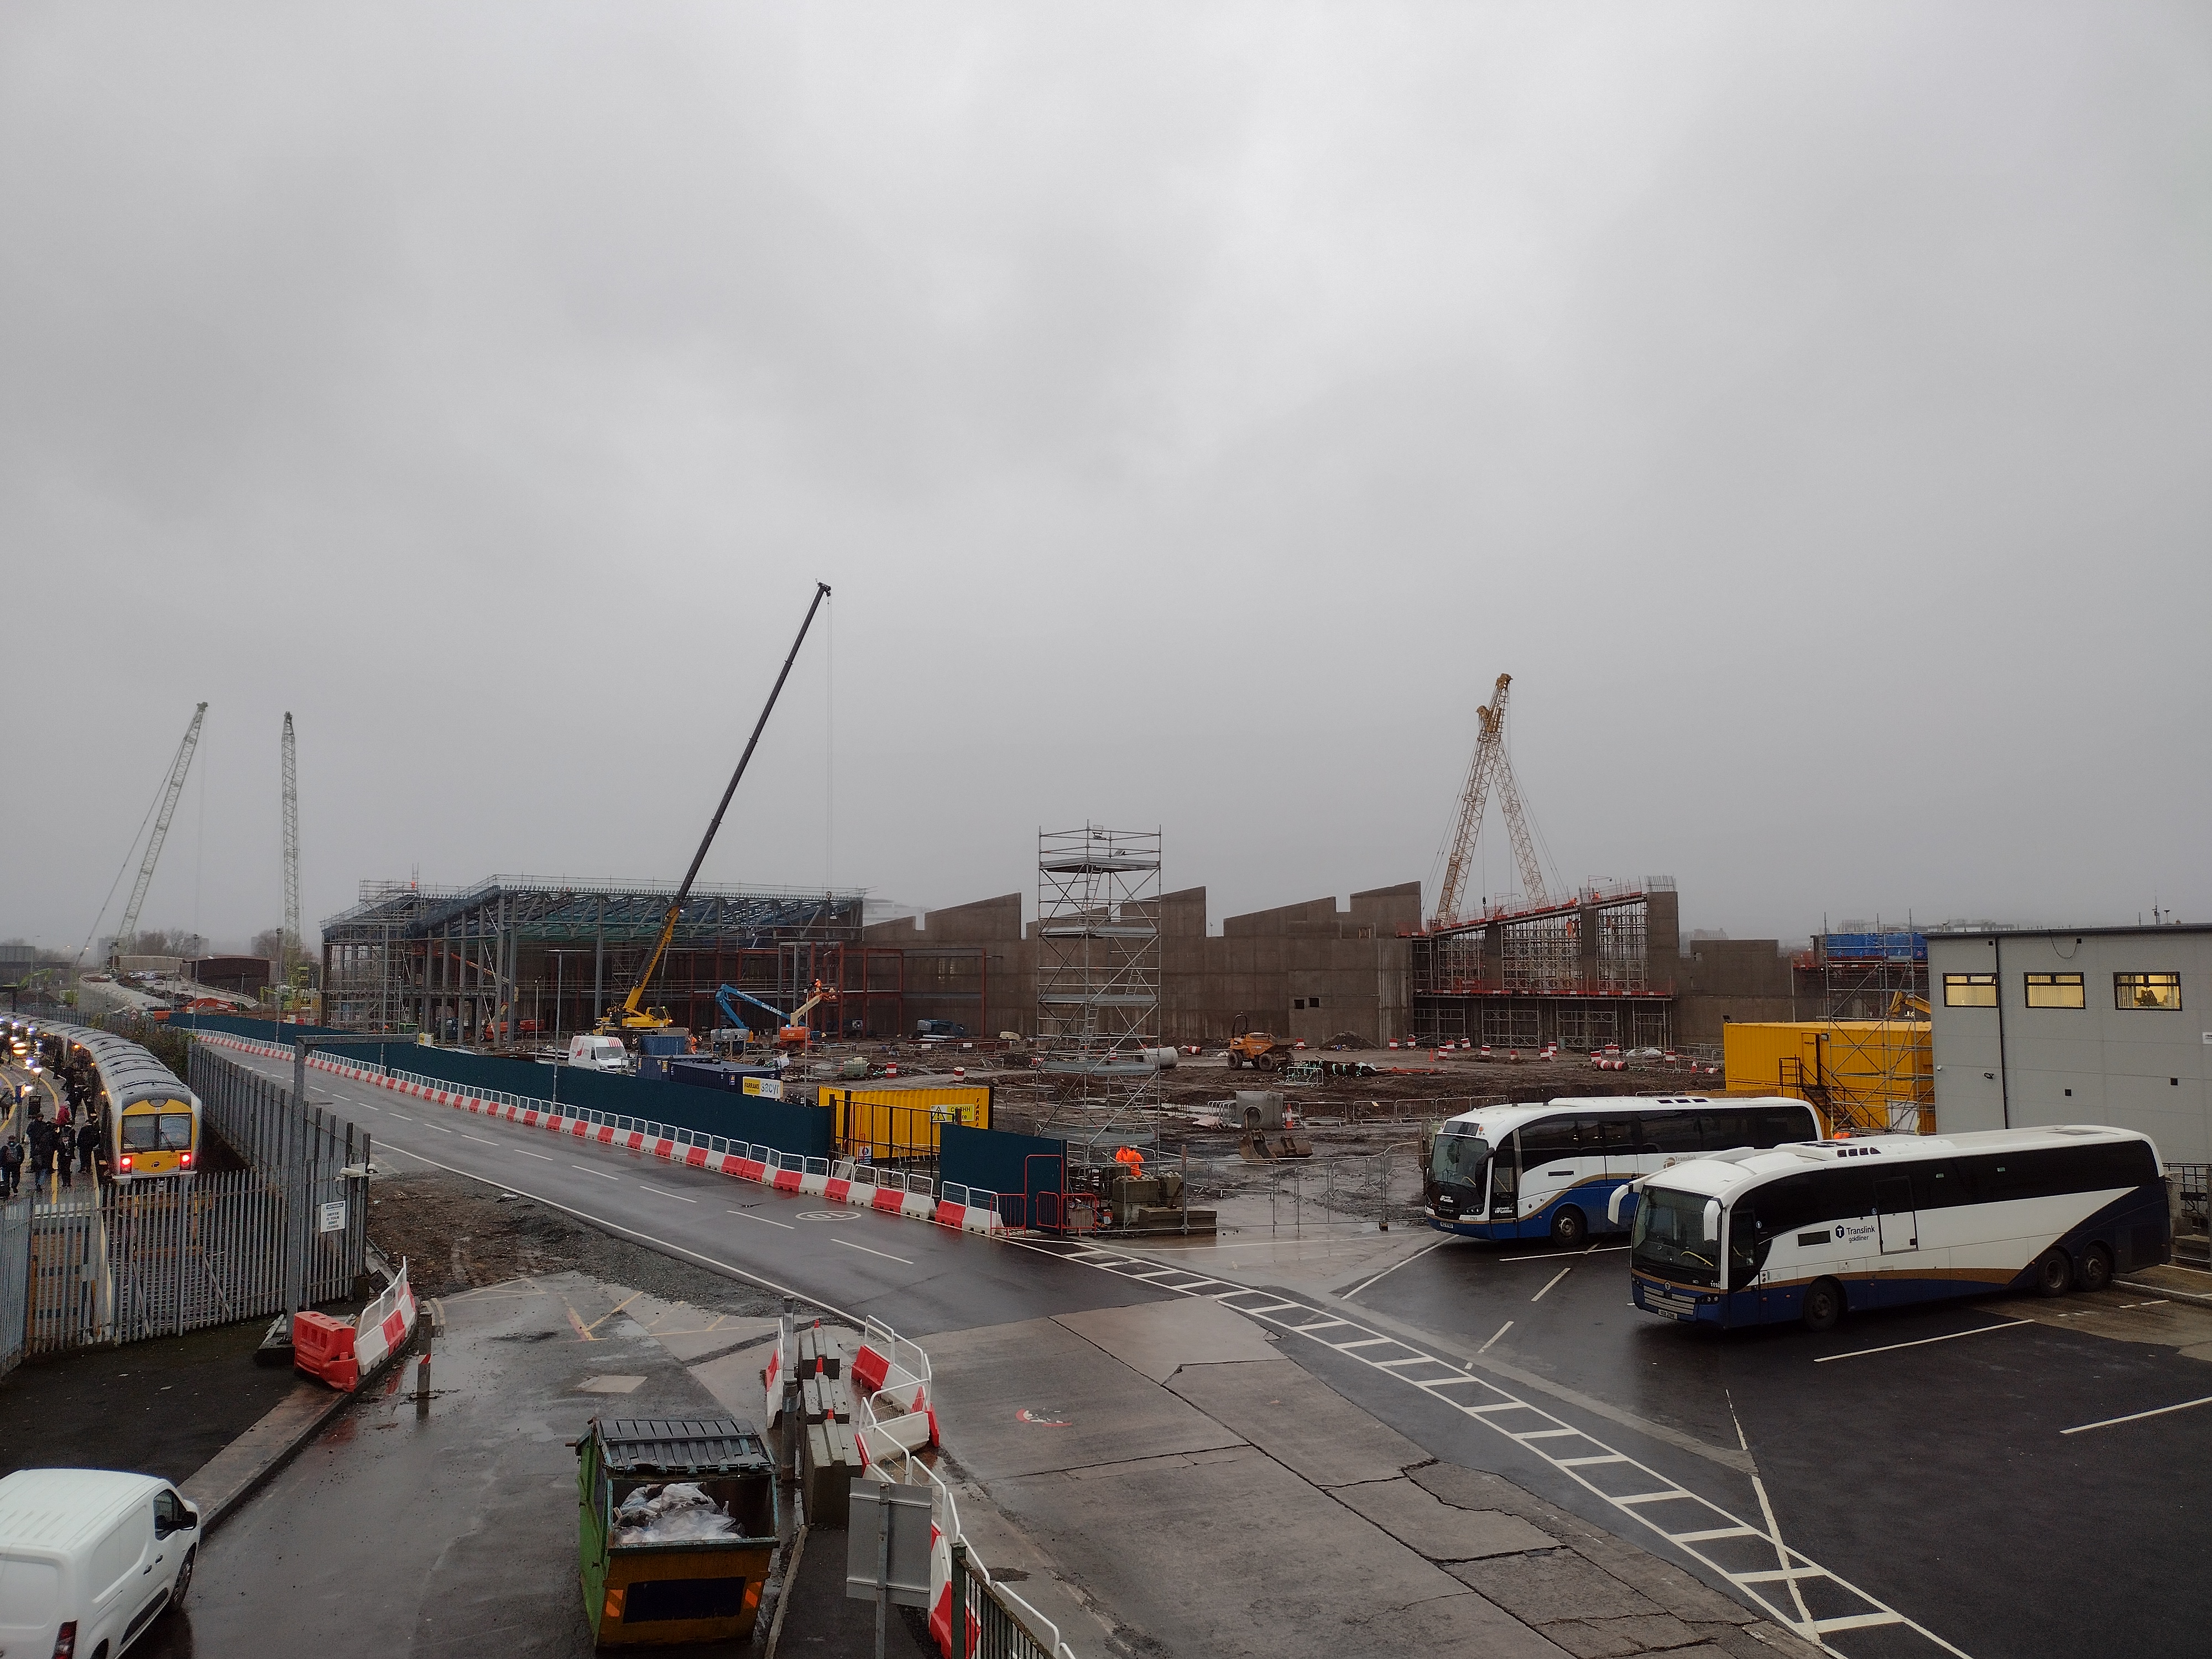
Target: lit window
[1969,990]
[2054,991]
[2146,990]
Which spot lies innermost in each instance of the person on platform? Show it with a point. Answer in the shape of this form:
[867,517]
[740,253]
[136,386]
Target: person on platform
[42,1144]
[65,1154]
[11,1167]
[87,1146]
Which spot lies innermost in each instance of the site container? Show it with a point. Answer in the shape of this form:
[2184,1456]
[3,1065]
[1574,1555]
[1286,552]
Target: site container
[893,1123]
[640,1590]
[1864,1075]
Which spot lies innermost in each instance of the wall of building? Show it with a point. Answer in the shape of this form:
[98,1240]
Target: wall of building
[1721,981]
[2142,1069]
[1307,970]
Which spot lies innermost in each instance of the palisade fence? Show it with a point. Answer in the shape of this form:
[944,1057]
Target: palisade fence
[123,1263]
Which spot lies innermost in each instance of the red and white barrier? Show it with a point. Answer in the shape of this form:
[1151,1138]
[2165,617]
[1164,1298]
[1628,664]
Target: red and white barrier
[983,1220]
[341,1352]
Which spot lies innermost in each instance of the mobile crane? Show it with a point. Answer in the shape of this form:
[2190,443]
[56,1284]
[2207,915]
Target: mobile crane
[633,1015]
[792,1031]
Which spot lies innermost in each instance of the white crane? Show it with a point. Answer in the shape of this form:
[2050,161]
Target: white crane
[1490,769]
[175,787]
[290,949]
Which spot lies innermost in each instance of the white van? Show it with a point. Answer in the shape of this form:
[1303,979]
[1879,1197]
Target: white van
[598,1054]
[88,1559]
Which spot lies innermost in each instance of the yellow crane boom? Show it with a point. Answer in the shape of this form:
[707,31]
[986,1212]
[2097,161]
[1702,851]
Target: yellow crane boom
[1490,769]
[633,1015]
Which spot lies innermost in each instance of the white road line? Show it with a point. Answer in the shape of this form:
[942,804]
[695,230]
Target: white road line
[1891,1347]
[403,1117]
[442,1129]
[526,1152]
[663,1192]
[604,1174]
[480,1140]
[1393,1268]
[2160,1303]
[613,1226]
[886,1255]
[2137,1417]
[750,1215]
[1556,1278]
[1494,1335]
[1659,1492]
[1554,1256]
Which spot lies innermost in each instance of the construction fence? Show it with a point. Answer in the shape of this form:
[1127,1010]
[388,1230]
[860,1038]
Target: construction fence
[102,1263]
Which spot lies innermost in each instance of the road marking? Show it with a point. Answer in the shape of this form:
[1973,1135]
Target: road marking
[1891,1347]
[604,1174]
[479,1139]
[1494,1335]
[629,1231]
[663,1192]
[1554,1256]
[886,1255]
[1555,1279]
[750,1215]
[1690,1535]
[441,1129]
[527,1153]
[2160,1303]
[403,1117]
[2137,1417]
[1393,1267]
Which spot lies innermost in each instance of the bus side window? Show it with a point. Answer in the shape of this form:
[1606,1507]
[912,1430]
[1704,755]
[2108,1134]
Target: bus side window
[1723,1130]
[1786,1204]
[1777,1125]
[1935,1185]
[1841,1194]
[1547,1141]
[1670,1133]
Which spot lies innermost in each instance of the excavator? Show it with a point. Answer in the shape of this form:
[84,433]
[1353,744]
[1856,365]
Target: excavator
[633,1014]
[1901,1004]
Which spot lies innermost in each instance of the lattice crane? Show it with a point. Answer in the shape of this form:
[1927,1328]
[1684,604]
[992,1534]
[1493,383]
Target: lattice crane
[1490,769]
[291,948]
[129,931]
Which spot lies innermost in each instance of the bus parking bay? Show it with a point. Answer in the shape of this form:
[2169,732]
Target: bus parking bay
[2019,1476]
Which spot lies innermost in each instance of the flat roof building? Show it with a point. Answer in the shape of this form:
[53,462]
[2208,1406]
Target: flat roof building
[2112,1026]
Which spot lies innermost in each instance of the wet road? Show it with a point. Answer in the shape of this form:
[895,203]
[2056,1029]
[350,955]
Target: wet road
[1934,1477]
[915,1276]
[1921,1454]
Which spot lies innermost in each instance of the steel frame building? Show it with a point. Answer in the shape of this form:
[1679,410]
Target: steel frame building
[1578,972]
[513,956]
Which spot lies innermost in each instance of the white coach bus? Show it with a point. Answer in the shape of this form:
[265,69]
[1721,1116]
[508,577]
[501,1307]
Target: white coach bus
[1812,1232]
[1550,1170]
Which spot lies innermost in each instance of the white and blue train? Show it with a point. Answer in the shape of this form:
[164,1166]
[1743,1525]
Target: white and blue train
[1811,1232]
[1550,1170]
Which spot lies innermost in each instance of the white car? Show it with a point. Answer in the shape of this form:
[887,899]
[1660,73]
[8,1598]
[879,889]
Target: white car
[88,1559]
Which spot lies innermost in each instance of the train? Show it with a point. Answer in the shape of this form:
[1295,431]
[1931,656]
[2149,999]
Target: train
[150,1122]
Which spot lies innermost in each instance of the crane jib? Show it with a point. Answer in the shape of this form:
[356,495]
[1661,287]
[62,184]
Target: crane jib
[630,1002]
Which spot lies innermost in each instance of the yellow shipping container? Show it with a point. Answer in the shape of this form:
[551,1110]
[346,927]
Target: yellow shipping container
[895,1123]
[1867,1075]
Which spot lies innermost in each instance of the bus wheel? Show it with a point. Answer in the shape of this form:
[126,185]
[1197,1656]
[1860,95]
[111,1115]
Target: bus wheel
[1569,1227]
[1824,1305]
[2054,1273]
[2096,1268]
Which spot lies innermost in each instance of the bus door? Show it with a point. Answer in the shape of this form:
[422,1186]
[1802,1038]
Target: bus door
[1505,1180]
[1899,1221]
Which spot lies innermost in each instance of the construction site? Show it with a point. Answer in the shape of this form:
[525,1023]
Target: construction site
[1101,1010]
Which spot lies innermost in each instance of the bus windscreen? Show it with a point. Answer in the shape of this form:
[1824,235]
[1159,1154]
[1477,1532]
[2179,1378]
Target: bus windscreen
[1458,1158]
[1669,1237]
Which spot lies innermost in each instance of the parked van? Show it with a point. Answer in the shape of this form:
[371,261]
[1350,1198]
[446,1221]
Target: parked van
[598,1054]
[88,1559]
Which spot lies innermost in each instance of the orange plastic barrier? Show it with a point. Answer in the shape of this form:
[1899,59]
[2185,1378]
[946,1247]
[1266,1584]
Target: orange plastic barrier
[323,1347]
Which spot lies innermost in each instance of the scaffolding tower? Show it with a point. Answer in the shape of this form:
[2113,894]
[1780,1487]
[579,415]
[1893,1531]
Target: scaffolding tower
[1098,953]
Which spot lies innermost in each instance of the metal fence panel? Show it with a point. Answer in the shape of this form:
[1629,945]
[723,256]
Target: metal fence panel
[14,1281]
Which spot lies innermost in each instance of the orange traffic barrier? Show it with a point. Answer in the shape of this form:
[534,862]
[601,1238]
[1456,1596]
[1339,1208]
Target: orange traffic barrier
[323,1347]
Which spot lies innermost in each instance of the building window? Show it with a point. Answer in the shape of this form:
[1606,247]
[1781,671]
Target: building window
[2054,991]
[2146,990]
[1969,990]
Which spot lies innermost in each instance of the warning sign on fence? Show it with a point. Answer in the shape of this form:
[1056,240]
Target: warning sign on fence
[333,1219]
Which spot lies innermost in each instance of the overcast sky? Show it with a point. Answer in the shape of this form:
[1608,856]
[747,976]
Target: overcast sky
[1194,409]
